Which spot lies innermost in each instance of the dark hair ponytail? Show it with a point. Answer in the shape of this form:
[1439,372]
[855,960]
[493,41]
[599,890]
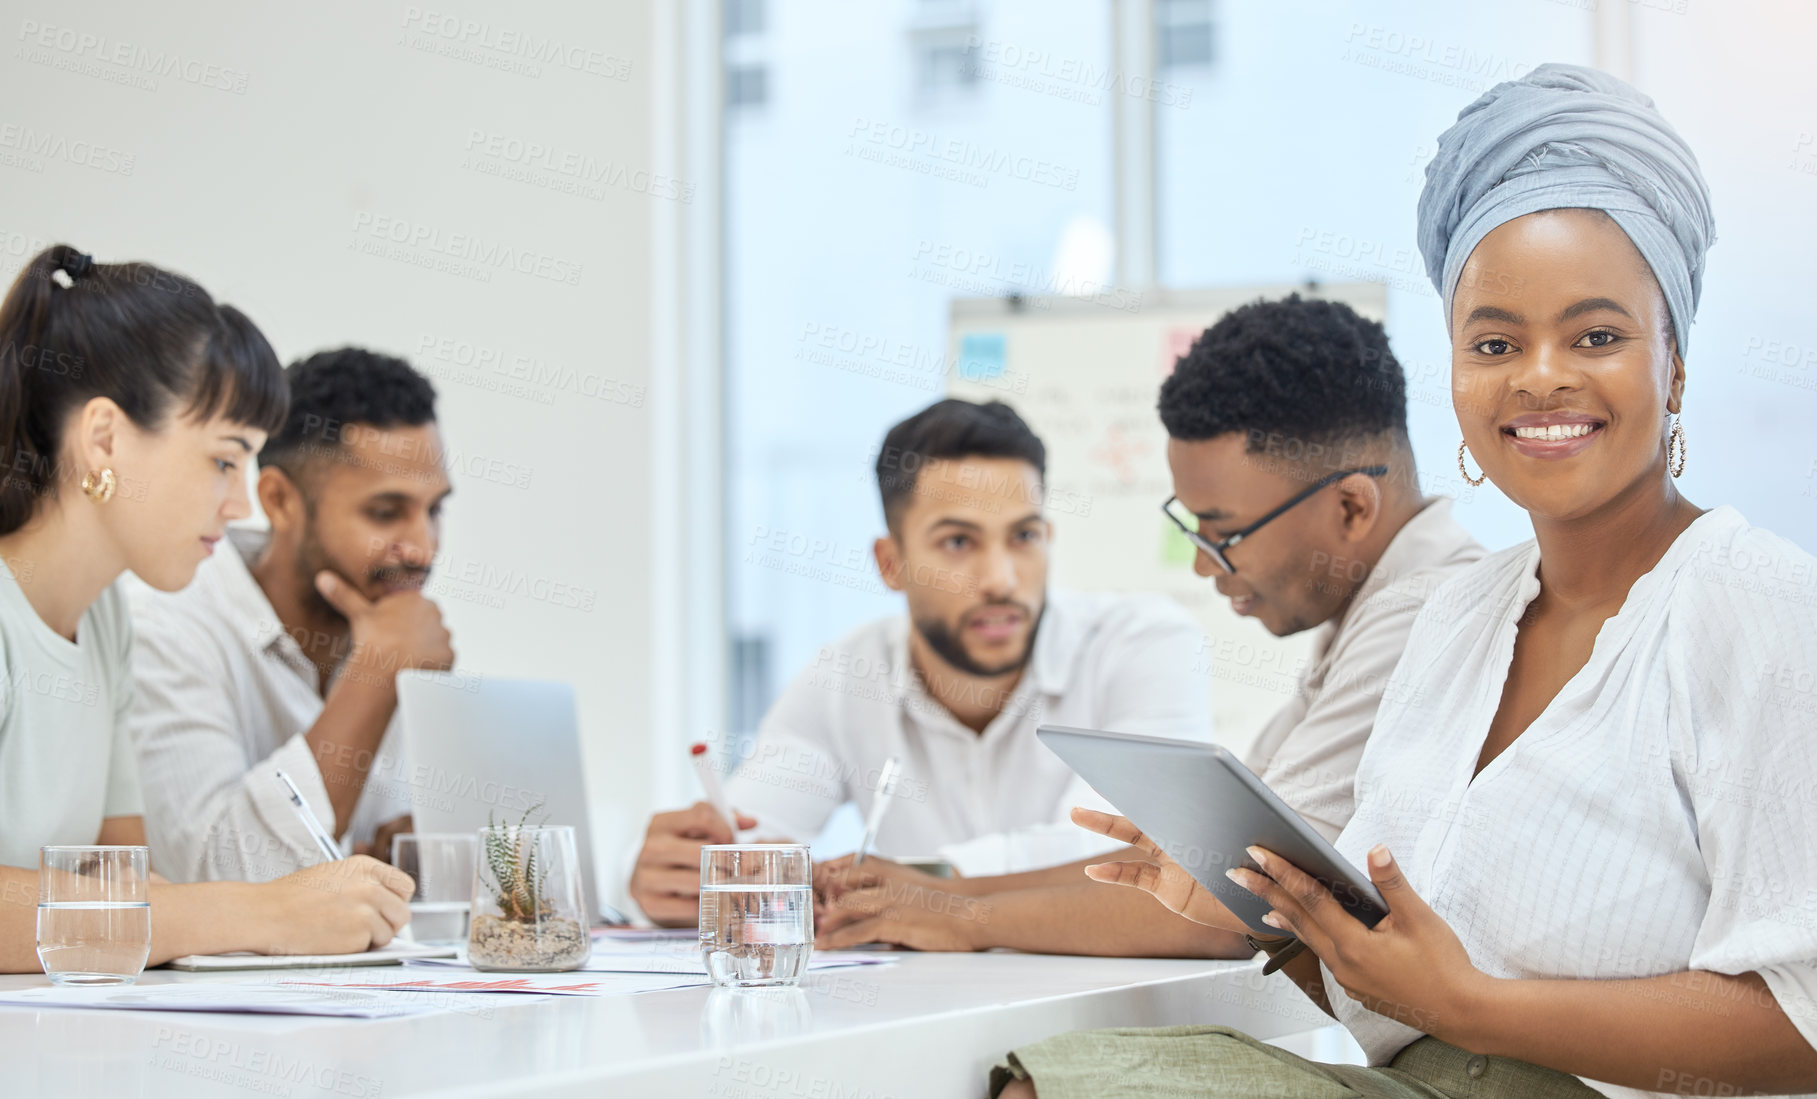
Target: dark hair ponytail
[150,340]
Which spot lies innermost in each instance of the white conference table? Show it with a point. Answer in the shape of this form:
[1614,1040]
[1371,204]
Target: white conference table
[928,1025]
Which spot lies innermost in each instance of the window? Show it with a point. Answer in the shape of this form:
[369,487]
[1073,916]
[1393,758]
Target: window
[854,215]
[1183,33]
[747,85]
[946,62]
[743,17]
[745,53]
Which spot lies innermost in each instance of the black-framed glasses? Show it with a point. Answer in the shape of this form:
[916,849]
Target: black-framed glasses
[1215,550]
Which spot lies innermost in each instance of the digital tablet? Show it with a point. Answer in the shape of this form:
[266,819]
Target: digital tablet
[1204,808]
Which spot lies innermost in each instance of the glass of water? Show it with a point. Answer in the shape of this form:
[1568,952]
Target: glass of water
[442,864]
[756,913]
[94,914]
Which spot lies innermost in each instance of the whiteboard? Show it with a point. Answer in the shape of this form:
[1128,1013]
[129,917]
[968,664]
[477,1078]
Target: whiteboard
[1086,374]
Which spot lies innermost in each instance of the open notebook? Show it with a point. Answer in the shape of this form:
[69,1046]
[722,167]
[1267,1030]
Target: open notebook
[392,954]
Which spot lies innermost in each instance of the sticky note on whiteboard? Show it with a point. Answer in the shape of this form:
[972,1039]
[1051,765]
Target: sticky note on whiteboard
[1175,345]
[1176,549]
[982,355]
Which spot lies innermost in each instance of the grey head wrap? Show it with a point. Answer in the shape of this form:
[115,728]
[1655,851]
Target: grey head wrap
[1565,136]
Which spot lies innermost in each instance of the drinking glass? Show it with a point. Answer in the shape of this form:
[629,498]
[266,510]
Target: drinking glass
[442,864]
[94,914]
[756,913]
[528,916]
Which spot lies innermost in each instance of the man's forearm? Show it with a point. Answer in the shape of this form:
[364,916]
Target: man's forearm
[1070,873]
[1090,918]
[1694,1032]
[346,736]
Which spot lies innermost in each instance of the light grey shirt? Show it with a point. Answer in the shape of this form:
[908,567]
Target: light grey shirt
[1309,750]
[66,761]
[224,699]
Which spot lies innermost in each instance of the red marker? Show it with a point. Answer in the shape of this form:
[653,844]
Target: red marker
[709,782]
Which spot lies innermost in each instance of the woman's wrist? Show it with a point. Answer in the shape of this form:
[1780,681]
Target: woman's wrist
[1471,1017]
[201,918]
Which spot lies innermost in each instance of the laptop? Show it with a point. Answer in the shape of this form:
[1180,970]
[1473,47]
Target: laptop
[479,746]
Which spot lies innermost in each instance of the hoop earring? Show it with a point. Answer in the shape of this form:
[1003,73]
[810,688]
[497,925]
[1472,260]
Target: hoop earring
[100,485]
[1473,481]
[1675,447]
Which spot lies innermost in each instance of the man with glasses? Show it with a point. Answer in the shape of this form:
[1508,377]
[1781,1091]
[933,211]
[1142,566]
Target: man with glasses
[1295,480]
[1187,521]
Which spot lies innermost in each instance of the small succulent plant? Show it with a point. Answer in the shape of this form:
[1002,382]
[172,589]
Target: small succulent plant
[517,882]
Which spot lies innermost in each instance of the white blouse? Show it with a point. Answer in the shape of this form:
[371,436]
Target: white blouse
[1660,814]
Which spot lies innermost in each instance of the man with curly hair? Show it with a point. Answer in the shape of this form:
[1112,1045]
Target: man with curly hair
[1295,480]
[283,653]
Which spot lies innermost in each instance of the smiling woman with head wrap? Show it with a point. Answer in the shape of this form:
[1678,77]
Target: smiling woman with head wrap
[1567,137]
[1592,766]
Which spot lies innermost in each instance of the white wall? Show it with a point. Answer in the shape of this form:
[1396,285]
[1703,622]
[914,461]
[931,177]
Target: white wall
[340,114]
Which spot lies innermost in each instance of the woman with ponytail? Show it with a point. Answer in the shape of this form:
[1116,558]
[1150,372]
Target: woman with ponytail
[131,404]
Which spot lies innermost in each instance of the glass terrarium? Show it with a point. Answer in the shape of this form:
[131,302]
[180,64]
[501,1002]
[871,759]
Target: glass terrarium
[528,915]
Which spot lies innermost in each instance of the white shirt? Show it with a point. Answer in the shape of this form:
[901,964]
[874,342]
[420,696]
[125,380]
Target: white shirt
[66,761]
[1659,815]
[224,699]
[990,802]
[1308,751]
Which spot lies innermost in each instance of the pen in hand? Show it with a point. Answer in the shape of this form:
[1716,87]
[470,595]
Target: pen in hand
[710,785]
[886,789]
[330,850]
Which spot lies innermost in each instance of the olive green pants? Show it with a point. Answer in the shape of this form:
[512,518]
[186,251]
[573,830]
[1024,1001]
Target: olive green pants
[1217,1061]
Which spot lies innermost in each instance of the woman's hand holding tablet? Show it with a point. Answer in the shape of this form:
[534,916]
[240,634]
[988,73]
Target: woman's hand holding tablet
[1205,812]
[1410,966]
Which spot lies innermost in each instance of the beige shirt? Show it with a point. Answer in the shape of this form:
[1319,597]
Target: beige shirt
[224,699]
[991,802]
[1309,750]
[66,763]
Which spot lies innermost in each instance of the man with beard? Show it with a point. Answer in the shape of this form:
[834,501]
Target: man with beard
[956,687]
[283,653]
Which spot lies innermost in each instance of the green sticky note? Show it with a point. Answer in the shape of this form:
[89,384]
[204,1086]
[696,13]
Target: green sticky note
[1176,548]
